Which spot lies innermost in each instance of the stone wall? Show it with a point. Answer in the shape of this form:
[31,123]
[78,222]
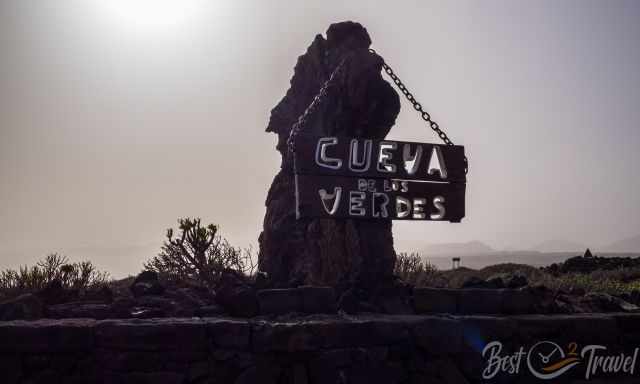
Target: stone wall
[296,349]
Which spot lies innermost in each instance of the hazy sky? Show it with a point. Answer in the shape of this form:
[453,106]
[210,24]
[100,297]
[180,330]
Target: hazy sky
[117,117]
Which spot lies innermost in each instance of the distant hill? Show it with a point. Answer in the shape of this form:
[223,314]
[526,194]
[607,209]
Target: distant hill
[468,248]
[630,244]
[559,245]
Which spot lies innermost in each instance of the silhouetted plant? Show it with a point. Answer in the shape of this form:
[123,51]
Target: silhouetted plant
[78,276]
[413,270]
[199,253]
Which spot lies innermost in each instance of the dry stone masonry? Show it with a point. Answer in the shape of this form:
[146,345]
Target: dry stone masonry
[310,349]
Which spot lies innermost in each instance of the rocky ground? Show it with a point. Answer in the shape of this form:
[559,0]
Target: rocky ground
[148,296]
[590,263]
[146,329]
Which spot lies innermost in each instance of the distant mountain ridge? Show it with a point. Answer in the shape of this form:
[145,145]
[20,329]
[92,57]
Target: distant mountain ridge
[630,244]
[559,245]
[466,248]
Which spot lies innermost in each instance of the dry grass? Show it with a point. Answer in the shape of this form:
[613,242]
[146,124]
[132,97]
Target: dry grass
[413,270]
[613,282]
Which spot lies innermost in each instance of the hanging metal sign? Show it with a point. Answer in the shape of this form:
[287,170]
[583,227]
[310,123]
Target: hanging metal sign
[360,178]
[357,178]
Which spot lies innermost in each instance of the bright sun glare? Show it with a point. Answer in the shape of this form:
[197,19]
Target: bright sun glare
[153,15]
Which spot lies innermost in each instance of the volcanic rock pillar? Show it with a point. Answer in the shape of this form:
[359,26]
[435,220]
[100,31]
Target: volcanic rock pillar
[334,252]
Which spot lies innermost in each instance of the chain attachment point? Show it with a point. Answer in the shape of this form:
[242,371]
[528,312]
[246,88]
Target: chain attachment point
[418,107]
[322,94]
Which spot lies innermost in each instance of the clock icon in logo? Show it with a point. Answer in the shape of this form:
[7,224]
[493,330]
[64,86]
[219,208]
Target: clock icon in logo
[547,360]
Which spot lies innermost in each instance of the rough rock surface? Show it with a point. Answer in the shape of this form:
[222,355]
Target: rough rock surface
[146,283]
[237,298]
[27,307]
[503,280]
[329,252]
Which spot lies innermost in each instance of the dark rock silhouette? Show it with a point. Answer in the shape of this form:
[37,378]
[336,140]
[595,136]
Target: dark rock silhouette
[102,294]
[146,283]
[477,282]
[587,264]
[24,307]
[328,252]
[602,302]
[76,309]
[503,280]
[236,296]
[55,293]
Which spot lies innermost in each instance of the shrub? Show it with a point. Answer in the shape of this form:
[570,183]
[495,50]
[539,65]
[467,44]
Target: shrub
[413,270]
[199,253]
[77,276]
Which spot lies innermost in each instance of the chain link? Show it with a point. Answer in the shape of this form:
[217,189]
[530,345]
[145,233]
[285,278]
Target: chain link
[418,107]
[317,101]
[322,94]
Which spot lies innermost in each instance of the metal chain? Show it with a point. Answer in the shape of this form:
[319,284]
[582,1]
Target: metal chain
[322,94]
[418,107]
[317,101]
